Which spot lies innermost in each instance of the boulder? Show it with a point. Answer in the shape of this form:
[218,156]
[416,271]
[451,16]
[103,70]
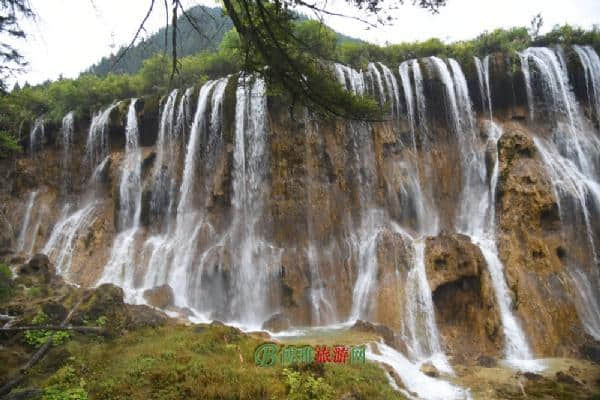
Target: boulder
[591,351]
[277,323]
[464,299]
[160,296]
[104,300]
[450,258]
[37,270]
[107,301]
[394,254]
[430,370]
[388,335]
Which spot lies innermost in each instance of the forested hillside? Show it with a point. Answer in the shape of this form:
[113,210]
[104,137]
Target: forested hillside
[214,25]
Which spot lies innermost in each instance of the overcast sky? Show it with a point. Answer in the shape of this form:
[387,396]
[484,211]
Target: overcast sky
[70,35]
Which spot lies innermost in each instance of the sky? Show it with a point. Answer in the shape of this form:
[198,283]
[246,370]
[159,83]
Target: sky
[70,35]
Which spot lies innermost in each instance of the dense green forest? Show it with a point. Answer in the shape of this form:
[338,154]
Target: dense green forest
[98,87]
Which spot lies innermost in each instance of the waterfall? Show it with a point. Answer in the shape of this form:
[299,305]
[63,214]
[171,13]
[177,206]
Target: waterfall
[421,332]
[423,386]
[37,136]
[483,78]
[96,147]
[130,187]
[21,240]
[392,89]
[571,155]
[426,214]
[121,265]
[591,66]
[476,217]
[173,256]
[190,221]
[66,141]
[165,163]
[66,233]
[184,114]
[323,307]
[420,329]
[364,240]
[350,79]
[210,235]
[478,221]
[568,133]
[61,245]
[252,254]
[409,99]
[451,105]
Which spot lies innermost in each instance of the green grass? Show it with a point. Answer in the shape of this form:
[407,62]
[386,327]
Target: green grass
[207,362]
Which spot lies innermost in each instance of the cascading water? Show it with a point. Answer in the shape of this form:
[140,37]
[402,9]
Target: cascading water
[420,330]
[25,228]
[571,156]
[323,307]
[184,113]
[426,215]
[350,79]
[417,382]
[37,136]
[62,243]
[166,157]
[476,216]
[255,258]
[130,190]
[66,141]
[96,147]
[591,65]
[121,265]
[364,240]
[392,89]
[483,77]
[190,222]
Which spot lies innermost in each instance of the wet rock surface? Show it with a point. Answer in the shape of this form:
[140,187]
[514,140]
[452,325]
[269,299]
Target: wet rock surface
[160,296]
[531,247]
[465,303]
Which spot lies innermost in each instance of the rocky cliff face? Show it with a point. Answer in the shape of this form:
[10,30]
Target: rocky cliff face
[464,223]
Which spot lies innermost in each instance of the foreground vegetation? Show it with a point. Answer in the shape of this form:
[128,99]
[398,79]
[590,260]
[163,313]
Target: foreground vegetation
[90,92]
[135,352]
[203,362]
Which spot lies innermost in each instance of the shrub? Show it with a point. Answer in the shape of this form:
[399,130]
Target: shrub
[37,338]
